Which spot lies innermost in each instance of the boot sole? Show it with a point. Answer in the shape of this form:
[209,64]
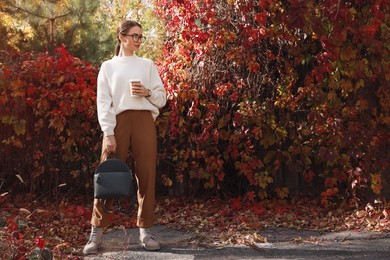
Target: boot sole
[150,248]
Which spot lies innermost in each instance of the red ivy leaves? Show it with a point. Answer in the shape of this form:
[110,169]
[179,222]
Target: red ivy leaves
[53,112]
[281,85]
[40,242]
[261,18]
[236,203]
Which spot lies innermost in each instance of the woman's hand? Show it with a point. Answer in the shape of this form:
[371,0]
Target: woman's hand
[110,144]
[140,90]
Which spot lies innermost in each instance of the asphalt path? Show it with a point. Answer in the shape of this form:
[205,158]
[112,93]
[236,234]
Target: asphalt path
[282,243]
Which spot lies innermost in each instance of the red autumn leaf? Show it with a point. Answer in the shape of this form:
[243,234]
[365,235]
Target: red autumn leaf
[254,67]
[270,55]
[308,175]
[250,195]
[79,211]
[264,4]
[280,209]
[70,208]
[236,203]
[6,73]
[330,182]
[31,90]
[340,175]
[330,192]
[261,18]
[258,209]
[40,242]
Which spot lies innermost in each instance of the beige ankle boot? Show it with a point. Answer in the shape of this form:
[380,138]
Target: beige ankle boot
[147,241]
[94,242]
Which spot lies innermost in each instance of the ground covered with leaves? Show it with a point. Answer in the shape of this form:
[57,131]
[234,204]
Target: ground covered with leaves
[60,227]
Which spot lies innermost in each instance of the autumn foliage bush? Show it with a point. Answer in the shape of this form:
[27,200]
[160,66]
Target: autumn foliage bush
[265,99]
[262,92]
[49,131]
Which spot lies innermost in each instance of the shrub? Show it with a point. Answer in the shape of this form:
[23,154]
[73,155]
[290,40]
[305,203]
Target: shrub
[49,130]
[260,91]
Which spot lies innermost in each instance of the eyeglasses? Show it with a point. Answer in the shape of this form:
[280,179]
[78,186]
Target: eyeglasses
[136,37]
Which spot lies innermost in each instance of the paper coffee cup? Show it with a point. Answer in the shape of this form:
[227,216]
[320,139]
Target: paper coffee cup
[131,86]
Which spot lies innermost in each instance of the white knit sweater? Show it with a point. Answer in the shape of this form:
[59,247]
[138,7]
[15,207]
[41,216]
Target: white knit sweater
[113,92]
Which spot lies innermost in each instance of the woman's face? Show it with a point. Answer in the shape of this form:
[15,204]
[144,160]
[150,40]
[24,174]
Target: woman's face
[132,39]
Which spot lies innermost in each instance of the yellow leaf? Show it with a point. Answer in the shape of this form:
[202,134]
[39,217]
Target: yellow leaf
[332,95]
[282,192]
[268,139]
[347,54]
[362,104]
[376,183]
[20,126]
[262,194]
[359,84]
[57,123]
[60,80]
[6,119]
[231,2]
[346,85]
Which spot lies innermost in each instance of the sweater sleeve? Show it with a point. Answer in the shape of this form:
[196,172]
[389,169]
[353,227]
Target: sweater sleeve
[105,109]
[159,96]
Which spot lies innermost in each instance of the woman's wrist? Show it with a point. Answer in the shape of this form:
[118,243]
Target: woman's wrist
[149,93]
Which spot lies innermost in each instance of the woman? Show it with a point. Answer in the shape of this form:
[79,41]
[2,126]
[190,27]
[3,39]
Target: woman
[127,121]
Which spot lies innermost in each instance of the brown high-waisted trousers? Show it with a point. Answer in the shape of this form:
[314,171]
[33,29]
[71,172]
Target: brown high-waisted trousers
[135,129]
